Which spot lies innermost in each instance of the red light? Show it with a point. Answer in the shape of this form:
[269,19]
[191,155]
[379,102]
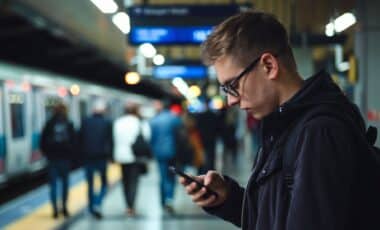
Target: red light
[62,92]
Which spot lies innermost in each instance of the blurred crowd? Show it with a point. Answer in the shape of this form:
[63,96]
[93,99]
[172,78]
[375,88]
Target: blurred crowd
[172,137]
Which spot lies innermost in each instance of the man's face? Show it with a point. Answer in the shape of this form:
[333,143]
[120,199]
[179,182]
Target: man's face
[256,91]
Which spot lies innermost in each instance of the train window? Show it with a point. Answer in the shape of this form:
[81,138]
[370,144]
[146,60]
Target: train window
[50,102]
[17,102]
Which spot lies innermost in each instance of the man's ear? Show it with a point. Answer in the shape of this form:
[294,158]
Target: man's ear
[271,65]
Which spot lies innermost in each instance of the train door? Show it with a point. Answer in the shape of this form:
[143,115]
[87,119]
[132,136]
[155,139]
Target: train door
[17,114]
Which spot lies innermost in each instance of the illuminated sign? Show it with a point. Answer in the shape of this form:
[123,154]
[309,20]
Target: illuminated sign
[183,71]
[177,24]
[169,34]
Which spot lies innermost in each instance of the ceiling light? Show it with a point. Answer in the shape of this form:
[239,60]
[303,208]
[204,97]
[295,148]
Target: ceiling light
[344,21]
[132,78]
[106,6]
[329,29]
[340,24]
[121,20]
[159,59]
[148,50]
[75,90]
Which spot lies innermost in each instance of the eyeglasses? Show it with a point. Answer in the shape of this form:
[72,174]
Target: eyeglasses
[230,87]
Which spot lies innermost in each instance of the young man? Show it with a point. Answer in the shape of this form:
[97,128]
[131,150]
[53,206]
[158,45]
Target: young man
[256,69]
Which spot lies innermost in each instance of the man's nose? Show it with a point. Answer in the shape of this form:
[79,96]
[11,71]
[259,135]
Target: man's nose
[232,100]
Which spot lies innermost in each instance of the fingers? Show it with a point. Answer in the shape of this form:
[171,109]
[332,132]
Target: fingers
[208,178]
[201,197]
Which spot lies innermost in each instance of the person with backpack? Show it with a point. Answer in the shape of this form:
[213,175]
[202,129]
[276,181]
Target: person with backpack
[126,130]
[58,145]
[316,168]
[96,144]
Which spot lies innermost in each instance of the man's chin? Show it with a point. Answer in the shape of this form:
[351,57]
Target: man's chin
[254,115]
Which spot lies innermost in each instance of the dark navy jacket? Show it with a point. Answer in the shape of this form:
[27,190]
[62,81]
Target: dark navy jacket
[95,138]
[325,194]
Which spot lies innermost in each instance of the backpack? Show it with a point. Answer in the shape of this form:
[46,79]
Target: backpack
[366,142]
[367,187]
[58,138]
[141,148]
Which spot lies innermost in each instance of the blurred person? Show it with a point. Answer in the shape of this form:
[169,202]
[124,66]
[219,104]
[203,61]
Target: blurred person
[196,142]
[313,171]
[209,129]
[125,131]
[95,137]
[58,145]
[229,129]
[184,147]
[164,126]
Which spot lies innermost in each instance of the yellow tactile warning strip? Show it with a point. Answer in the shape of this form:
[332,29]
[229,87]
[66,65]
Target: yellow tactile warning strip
[41,218]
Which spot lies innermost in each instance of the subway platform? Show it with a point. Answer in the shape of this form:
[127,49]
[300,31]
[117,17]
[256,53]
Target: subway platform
[33,209]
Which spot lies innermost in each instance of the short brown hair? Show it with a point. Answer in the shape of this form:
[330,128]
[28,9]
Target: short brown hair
[245,36]
[60,109]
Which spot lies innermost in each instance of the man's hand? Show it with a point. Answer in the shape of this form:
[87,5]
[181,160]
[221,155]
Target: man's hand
[212,180]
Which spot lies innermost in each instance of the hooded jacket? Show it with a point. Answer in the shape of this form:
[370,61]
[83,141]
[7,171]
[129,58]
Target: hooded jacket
[324,194]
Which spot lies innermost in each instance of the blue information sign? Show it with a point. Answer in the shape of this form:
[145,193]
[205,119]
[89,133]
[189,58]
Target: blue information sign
[183,71]
[169,34]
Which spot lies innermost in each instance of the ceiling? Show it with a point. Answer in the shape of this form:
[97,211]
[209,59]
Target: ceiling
[74,38]
[28,38]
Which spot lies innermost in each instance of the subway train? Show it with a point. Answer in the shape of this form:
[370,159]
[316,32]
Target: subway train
[27,97]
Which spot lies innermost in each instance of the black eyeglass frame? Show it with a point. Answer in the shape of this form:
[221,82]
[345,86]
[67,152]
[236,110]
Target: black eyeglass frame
[230,86]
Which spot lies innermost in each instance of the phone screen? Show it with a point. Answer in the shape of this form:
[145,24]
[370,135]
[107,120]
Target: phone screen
[190,179]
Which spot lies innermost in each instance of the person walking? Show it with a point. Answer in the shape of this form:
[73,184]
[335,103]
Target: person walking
[58,145]
[125,132]
[95,137]
[164,127]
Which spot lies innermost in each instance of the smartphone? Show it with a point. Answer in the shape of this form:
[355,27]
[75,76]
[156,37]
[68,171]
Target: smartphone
[189,179]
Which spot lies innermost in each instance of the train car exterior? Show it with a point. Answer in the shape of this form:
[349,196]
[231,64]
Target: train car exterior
[27,97]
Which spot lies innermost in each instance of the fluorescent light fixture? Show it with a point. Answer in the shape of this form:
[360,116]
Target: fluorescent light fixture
[121,20]
[182,87]
[147,50]
[106,6]
[344,21]
[340,24]
[329,29]
[158,59]
[340,65]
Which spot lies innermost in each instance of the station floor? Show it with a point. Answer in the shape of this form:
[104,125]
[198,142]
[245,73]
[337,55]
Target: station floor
[36,214]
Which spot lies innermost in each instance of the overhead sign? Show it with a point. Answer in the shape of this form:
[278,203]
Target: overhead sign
[176,24]
[169,35]
[183,71]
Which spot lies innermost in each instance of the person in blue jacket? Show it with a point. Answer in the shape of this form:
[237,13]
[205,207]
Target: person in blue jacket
[164,128]
[328,185]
